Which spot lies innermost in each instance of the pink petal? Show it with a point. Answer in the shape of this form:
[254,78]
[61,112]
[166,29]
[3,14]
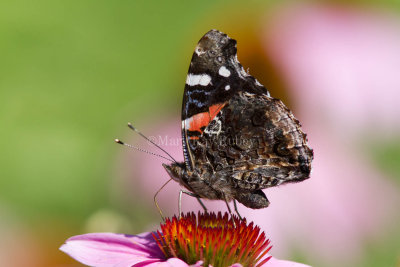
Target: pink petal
[108,249]
[197,264]
[169,263]
[134,262]
[280,263]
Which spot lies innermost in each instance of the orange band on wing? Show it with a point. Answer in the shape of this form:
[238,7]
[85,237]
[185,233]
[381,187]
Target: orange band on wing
[214,109]
[200,120]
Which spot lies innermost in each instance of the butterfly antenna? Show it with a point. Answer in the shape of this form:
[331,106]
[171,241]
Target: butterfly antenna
[142,150]
[142,135]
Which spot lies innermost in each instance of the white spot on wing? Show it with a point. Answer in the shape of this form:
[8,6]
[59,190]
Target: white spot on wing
[223,71]
[198,79]
[186,123]
[227,87]
[199,51]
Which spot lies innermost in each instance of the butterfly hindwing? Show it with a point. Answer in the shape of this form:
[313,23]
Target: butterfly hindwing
[256,141]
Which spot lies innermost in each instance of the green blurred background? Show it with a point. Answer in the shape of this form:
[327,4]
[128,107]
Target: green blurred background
[72,73]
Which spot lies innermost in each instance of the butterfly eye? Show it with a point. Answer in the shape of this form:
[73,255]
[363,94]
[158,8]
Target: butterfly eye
[281,149]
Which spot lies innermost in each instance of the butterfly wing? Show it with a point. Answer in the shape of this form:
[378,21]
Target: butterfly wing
[260,143]
[237,139]
[214,76]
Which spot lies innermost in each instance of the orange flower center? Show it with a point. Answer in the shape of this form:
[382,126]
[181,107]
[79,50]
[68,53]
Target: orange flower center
[214,239]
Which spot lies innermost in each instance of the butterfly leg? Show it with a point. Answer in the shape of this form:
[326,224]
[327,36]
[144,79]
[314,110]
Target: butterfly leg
[236,210]
[229,208]
[155,199]
[202,204]
[230,212]
[189,194]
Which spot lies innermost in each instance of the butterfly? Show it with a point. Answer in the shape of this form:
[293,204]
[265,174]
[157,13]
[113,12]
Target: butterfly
[237,139]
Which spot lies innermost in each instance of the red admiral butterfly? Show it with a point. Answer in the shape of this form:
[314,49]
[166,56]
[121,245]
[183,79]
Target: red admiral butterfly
[237,139]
